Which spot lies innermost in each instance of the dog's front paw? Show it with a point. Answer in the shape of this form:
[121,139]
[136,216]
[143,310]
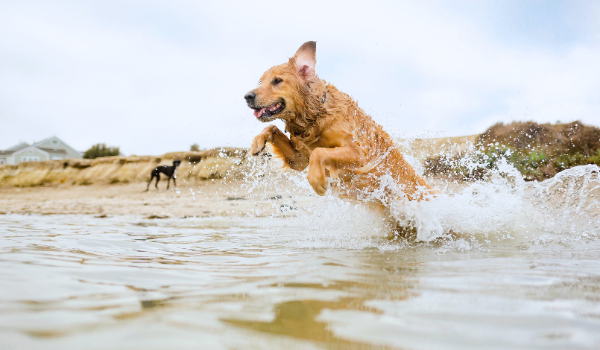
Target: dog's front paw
[318,183]
[260,141]
[258,144]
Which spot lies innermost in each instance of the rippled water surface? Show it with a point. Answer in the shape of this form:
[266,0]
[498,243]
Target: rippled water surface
[123,282]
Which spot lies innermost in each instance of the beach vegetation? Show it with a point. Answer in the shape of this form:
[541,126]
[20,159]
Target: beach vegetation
[101,150]
[537,151]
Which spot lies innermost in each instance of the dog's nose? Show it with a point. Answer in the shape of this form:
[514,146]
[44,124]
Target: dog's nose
[250,97]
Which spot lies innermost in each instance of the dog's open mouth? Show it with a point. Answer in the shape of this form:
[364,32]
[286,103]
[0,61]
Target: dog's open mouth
[262,113]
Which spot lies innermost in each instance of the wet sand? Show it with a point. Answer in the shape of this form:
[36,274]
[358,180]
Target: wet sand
[200,199]
[193,199]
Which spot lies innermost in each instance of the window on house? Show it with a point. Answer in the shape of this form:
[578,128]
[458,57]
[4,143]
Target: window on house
[30,159]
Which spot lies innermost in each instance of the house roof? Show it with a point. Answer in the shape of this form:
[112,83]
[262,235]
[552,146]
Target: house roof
[53,150]
[43,149]
[44,140]
[23,145]
[30,147]
[17,147]
[57,139]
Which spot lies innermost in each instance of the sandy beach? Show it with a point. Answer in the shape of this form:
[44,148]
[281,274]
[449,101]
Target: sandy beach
[202,199]
[194,199]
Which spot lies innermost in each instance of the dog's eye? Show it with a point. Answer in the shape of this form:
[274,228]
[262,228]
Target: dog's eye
[276,81]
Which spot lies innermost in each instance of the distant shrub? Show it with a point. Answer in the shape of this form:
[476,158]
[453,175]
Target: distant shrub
[101,150]
[195,148]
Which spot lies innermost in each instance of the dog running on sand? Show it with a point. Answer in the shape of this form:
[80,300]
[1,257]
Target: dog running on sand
[329,133]
[167,170]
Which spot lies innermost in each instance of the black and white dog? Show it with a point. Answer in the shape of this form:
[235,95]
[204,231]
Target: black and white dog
[167,170]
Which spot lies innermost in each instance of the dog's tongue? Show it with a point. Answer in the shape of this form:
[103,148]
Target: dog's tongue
[259,112]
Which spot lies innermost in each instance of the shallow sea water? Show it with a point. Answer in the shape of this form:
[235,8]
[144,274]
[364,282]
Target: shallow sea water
[123,282]
[498,264]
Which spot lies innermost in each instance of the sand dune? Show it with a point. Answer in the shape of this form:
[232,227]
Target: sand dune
[205,165]
[216,163]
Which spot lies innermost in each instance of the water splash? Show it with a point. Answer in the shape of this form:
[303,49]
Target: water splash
[567,204]
[500,208]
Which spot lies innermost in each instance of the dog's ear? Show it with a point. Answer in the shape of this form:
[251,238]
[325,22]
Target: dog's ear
[305,60]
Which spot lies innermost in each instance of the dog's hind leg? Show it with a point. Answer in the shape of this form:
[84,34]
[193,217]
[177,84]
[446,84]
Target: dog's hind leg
[332,159]
[149,182]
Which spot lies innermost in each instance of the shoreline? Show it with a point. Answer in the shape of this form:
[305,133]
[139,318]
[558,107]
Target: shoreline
[226,198]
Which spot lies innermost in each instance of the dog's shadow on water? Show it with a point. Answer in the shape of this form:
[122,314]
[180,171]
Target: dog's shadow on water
[388,277]
[300,319]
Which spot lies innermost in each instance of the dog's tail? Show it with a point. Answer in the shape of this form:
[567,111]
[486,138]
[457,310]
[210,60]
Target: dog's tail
[372,164]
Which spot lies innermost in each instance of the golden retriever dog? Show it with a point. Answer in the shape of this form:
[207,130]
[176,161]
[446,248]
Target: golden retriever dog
[329,133]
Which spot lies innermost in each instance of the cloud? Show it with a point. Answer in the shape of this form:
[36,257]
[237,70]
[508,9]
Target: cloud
[153,77]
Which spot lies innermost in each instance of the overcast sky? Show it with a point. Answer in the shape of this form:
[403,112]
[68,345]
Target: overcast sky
[158,76]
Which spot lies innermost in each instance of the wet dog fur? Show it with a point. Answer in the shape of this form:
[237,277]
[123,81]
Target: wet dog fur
[329,133]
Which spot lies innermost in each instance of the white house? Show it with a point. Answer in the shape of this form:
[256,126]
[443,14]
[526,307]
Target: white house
[51,148]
